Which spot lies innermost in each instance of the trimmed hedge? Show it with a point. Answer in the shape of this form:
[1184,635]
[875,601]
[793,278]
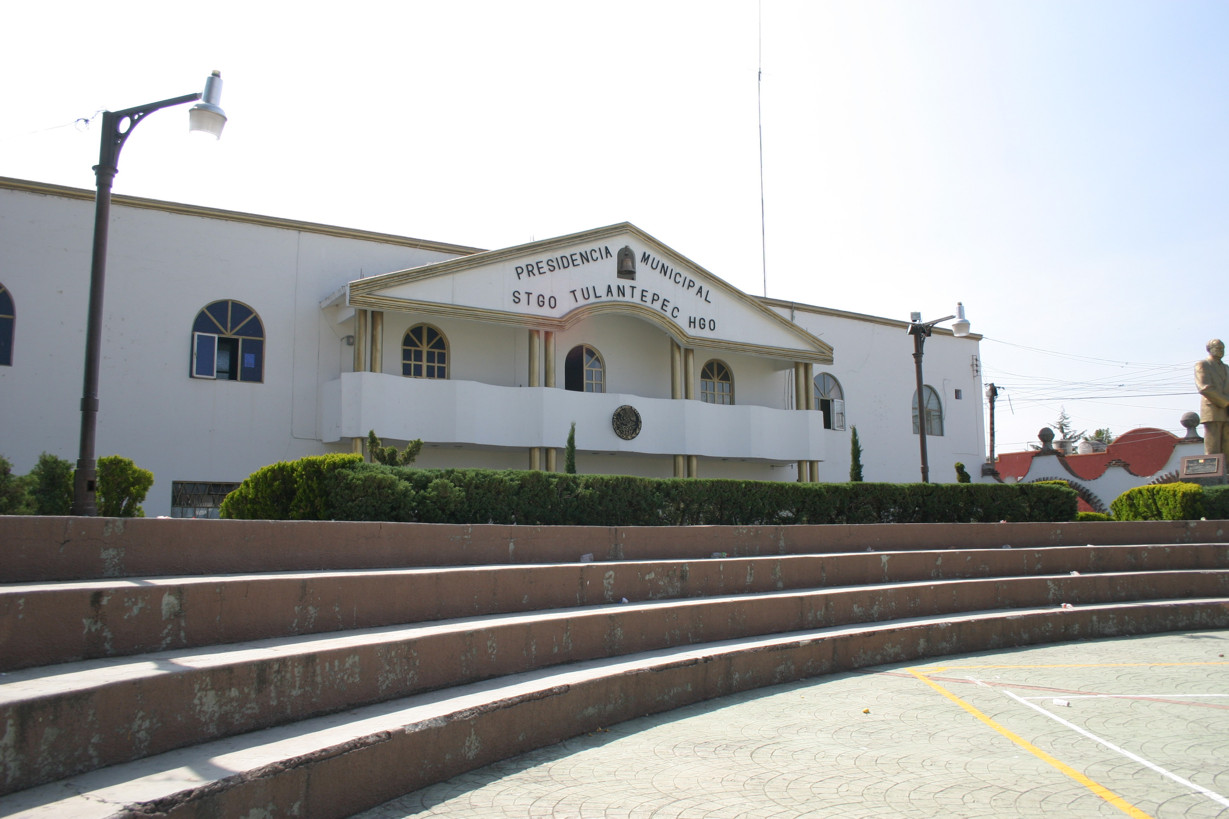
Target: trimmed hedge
[1216,502]
[1165,501]
[288,490]
[342,487]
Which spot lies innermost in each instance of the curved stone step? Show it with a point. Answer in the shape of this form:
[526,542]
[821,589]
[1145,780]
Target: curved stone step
[62,720]
[39,549]
[105,618]
[336,765]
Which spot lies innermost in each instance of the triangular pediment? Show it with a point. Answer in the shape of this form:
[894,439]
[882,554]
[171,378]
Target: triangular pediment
[554,283]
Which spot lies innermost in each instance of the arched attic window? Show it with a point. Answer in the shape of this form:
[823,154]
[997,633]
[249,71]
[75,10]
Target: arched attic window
[424,353]
[830,400]
[8,321]
[228,343]
[934,411]
[716,383]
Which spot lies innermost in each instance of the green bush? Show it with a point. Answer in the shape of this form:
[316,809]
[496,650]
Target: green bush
[289,490]
[51,486]
[266,494]
[1084,516]
[1216,502]
[122,486]
[312,495]
[1166,501]
[368,492]
[344,488]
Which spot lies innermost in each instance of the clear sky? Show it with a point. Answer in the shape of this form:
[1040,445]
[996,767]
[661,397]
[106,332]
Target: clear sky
[1060,167]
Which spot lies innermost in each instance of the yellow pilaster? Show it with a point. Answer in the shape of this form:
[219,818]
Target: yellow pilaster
[360,340]
[535,358]
[377,341]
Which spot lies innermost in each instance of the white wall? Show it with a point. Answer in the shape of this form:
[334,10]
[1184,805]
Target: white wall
[162,269]
[873,361]
[165,265]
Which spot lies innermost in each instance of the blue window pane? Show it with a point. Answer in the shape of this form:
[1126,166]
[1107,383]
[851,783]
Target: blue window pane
[205,324]
[252,328]
[252,356]
[6,341]
[219,311]
[205,355]
[239,313]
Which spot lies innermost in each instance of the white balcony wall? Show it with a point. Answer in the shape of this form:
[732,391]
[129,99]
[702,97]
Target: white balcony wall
[474,414]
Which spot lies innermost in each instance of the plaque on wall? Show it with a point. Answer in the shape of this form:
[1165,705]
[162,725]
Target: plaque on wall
[1202,466]
[626,422]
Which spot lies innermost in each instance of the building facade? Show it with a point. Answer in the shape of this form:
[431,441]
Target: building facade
[232,341]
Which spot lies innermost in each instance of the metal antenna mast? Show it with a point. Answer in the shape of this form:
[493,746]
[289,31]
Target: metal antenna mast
[759,102]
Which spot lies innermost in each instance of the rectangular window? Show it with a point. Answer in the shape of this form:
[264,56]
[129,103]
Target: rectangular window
[198,499]
[838,413]
[204,355]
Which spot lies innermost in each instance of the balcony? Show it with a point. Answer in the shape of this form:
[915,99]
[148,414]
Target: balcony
[475,414]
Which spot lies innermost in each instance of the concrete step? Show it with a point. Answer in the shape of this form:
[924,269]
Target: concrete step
[218,668]
[65,719]
[114,617]
[72,548]
[336,765]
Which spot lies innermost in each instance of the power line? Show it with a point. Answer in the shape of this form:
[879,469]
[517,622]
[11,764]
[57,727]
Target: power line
[1115,362]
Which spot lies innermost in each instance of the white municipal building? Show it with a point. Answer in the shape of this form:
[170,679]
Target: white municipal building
[232,341]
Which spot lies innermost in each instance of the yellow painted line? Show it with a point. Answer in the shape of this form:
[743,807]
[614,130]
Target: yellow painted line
[1100,790]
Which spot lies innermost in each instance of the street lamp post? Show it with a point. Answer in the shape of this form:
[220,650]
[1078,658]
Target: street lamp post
[920,330]
[117,126]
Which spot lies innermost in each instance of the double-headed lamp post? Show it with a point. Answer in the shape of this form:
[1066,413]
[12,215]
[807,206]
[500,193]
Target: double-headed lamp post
[920,330]
[117,126]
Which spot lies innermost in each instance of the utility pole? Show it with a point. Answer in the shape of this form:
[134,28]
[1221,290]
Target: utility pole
[988,468]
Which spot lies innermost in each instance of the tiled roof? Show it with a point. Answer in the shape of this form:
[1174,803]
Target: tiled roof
[1143,452]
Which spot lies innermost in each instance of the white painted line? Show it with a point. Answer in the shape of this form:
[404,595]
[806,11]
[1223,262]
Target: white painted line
[1132,696]
[1213,795]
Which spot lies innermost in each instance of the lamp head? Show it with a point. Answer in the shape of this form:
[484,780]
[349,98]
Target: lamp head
[960,327]
[206,116]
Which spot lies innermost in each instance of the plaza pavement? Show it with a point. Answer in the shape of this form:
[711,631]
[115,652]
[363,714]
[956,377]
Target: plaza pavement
[1131,726]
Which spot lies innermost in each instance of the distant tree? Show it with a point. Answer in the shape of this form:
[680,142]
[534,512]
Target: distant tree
[1064,429]
[855,456]
[51,485]
[962,476]
[1101,436]
[569,453]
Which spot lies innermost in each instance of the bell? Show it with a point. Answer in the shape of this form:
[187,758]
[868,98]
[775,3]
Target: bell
[627,263]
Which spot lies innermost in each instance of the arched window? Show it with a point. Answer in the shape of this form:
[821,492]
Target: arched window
[934,411]
[716,383]
[424,353]
[830,400]
[228,343]
[583,370]
[8,318]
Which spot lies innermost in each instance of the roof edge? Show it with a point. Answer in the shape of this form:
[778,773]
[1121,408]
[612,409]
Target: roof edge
[49,189]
